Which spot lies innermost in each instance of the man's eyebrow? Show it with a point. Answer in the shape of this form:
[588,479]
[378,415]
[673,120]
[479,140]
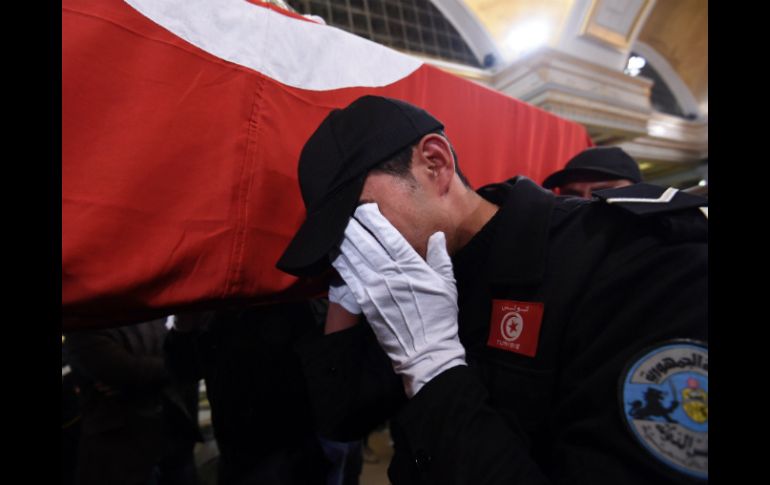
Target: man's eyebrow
[602,187]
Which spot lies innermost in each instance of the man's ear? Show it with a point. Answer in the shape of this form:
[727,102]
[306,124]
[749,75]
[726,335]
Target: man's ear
[435,161]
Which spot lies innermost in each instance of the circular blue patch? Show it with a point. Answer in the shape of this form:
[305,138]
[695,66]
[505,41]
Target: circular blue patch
[664,403]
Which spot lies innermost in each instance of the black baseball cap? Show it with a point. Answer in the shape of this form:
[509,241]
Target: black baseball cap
[333,166]
[608,162]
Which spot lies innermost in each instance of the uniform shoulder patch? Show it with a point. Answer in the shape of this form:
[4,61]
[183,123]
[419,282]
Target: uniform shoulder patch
[646,199]
[663,393]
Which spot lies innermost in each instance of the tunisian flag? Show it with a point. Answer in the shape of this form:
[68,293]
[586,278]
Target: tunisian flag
[182,124]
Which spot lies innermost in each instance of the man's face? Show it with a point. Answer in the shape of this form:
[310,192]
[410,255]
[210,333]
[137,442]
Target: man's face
[404,202]
[585,188]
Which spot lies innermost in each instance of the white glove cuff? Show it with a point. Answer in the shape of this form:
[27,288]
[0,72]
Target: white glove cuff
[420,370]
[340,294]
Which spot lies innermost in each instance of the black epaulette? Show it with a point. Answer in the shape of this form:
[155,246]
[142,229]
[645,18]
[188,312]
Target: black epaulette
[677,215]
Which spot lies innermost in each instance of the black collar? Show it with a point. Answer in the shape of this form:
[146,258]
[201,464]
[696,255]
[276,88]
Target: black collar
[518,248]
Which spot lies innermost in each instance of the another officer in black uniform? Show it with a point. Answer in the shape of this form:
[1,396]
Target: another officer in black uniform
[596,168]
[564,341]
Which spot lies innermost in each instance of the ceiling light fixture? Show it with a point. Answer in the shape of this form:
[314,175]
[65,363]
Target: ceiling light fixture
[635,65]
[526,37]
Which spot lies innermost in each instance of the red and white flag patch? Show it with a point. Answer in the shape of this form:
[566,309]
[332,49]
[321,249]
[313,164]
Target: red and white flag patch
[515,326]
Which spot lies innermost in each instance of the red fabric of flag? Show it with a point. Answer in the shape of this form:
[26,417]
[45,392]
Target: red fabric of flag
[179,159]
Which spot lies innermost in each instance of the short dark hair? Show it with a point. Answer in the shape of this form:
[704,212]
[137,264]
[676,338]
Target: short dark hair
[400,164]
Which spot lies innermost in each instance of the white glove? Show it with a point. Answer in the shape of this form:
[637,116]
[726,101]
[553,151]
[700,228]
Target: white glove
[340,294]
[410,303]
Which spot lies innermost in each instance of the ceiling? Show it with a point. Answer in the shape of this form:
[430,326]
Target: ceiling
[676,29]
[672,36]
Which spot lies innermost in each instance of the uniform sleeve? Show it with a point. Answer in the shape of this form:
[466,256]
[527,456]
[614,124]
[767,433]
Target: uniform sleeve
[448,434]
[351,383]
[645,293]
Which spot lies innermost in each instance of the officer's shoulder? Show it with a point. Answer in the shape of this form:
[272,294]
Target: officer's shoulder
[671,213]
[652,200]
[668,213]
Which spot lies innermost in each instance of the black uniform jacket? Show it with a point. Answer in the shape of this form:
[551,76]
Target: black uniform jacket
[612,279]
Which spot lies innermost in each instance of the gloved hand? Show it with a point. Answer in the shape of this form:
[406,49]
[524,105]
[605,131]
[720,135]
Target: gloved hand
[410,303]
[340,294]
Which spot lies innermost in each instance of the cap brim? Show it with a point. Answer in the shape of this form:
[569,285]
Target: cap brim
[554,180]
[323,229]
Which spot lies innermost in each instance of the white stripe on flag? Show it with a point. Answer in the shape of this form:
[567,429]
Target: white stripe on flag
[301,54]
